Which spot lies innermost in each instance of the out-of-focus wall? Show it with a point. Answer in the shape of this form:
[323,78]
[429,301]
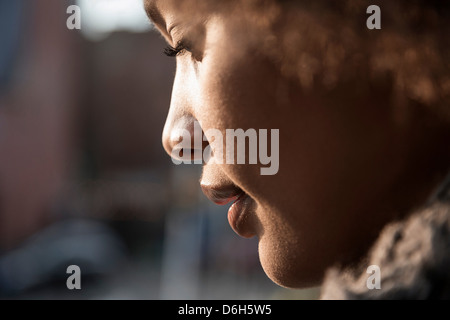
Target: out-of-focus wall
[78,120]
[37,112]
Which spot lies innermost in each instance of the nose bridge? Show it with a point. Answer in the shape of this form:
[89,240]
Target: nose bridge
[182,129]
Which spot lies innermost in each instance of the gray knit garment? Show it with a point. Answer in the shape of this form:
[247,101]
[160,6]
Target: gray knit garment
[413,256]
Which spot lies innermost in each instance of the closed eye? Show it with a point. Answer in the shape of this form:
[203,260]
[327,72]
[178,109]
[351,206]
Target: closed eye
[173,52]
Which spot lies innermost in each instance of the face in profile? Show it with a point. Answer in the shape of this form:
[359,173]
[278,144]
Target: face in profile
[342,152]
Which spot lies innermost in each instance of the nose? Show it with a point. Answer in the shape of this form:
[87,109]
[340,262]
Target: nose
[183,135]
[183,139]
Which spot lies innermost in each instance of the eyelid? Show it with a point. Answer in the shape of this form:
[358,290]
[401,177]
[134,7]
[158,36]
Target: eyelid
[170,27]
[180,48]
[183,32]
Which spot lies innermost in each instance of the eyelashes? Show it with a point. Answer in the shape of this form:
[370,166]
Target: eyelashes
[173,52]
[181,48]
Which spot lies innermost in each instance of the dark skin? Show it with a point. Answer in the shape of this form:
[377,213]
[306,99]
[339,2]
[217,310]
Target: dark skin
[349,164]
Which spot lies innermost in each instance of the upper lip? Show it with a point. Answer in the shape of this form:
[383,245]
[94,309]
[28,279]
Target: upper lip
[223,194]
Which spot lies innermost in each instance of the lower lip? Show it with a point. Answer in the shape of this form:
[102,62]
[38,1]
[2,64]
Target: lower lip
[238,216]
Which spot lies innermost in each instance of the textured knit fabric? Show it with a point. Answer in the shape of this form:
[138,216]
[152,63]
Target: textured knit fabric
[413,256]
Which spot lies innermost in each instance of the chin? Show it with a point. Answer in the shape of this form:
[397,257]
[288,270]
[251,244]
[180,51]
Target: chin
[287,266]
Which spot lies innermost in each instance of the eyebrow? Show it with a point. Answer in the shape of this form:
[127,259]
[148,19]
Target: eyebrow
[153,13]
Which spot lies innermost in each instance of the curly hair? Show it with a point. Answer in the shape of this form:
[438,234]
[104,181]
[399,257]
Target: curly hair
[326,43]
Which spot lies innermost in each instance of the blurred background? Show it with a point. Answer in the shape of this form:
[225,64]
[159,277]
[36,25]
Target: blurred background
[84,179]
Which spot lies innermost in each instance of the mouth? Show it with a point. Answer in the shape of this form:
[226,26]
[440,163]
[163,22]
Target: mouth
[240,209]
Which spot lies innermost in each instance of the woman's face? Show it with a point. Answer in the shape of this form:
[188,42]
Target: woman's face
[334,161]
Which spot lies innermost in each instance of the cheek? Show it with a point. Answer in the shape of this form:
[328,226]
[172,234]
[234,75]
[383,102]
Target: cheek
[237,93]
[237,85]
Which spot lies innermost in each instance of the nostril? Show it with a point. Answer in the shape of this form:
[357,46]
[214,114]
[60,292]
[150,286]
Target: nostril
[184,141]
[186,155]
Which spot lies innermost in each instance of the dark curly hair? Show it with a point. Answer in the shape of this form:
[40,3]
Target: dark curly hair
[327,44]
